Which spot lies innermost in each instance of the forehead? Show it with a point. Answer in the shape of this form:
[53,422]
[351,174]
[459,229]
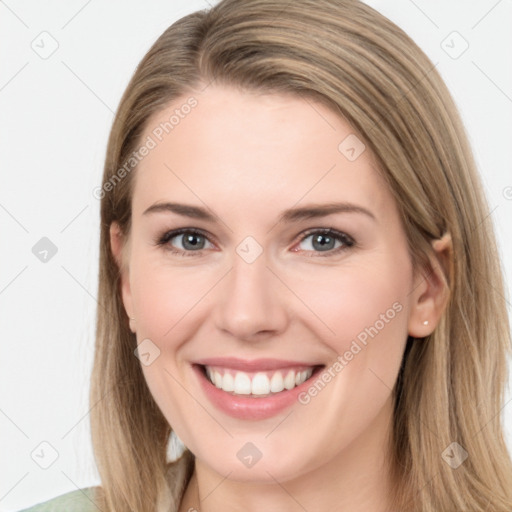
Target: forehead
[254,151]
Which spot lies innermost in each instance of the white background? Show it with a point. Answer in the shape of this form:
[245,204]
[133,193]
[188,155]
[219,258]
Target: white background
[56,114]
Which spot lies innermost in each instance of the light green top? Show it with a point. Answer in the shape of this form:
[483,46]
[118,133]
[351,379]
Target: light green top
[75,501]
[82,500]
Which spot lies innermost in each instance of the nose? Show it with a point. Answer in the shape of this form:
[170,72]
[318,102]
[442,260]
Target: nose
[251,301]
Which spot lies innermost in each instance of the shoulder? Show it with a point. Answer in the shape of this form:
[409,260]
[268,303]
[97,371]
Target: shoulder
[81,500]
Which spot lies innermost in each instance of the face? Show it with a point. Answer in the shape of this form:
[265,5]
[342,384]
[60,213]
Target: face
[267,251]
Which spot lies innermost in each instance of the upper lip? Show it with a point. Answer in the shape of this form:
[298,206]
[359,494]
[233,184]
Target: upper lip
[253,364]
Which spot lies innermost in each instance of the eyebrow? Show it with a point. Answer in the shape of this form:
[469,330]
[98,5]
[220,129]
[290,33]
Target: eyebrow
[287,216]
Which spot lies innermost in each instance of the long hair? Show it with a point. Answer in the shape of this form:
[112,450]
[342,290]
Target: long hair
[451,384]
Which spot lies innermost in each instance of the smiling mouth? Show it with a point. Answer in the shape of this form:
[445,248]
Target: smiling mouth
[258,384]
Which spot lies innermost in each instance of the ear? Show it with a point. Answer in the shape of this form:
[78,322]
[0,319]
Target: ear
[431,289]
[120,251]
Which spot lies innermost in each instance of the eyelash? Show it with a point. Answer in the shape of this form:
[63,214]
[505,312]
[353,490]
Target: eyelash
[347,241]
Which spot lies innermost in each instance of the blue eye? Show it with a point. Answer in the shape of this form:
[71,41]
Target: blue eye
[193,242]
[329,241]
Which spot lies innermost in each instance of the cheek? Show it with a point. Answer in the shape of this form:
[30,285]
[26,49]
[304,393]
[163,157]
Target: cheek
[165,298]
[366,307]
[166,301]
[358,302]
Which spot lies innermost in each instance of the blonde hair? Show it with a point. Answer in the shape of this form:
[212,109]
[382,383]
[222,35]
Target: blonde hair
[451,384]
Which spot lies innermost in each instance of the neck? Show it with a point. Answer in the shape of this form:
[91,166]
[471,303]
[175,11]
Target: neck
[356,479]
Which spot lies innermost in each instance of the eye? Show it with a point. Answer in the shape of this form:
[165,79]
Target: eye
[191,242]
[325,240]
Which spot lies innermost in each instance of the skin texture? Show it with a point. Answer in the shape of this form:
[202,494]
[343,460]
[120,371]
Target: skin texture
[247,157]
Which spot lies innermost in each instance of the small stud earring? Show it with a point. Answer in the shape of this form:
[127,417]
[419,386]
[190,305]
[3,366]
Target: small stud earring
[425,322]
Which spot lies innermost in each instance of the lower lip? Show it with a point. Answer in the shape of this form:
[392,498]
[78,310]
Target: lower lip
[246,408]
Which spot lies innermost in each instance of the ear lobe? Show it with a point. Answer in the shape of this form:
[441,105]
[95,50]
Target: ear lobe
[432,290]
[119,252]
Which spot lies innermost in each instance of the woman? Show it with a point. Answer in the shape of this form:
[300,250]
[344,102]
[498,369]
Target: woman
[296,278]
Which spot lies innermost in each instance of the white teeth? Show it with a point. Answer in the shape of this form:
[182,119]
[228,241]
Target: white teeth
[242,384]
[228,382]
[276,383]
[289,380]
[217,379]
[259,384]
